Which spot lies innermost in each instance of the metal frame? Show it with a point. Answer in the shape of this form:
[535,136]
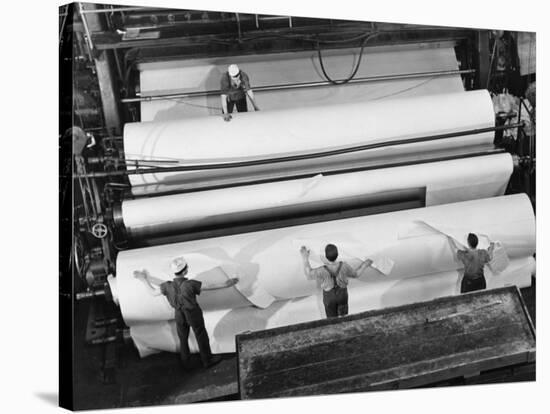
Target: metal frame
[104,69]
[288,86]
[321,154]
[483,59]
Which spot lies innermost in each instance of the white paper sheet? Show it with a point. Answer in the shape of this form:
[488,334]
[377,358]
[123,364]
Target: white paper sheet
[208,266]
[382,263]
[445,182]
[295,131]
[222,326]
[500,260]
[201,75]
[270,265]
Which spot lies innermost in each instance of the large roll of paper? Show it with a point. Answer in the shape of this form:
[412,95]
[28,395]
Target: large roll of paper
[192,76]
[298,131]
[223,325]
[269,265]
[444,182]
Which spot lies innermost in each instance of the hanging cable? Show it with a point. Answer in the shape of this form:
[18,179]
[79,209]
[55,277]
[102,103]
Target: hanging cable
[179,100]
[400,91]
[354,72]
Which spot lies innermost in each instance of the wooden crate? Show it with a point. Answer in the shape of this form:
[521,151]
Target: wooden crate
[399,347]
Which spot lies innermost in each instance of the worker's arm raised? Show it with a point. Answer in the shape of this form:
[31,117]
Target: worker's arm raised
[453,243]
[308,271]
[457,252]
[366,263]
[226,284]
[491,250]
[152,283]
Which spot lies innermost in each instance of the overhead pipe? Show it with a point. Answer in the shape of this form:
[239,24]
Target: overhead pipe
[299,85]
[121,9]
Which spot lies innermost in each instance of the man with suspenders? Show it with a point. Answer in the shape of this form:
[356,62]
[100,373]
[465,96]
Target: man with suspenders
[181,293]
[333,278]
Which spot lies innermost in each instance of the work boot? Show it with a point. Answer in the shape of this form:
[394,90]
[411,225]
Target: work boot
[186,364]
[214,359]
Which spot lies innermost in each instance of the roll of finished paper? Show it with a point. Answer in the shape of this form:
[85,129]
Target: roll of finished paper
[299,131]
[269,265]
[224,325]
[288,72]
[444,182]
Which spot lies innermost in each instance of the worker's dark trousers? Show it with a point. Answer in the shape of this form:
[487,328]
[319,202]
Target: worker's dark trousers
[193,318]
[336,302]
[241,105]
[470,285]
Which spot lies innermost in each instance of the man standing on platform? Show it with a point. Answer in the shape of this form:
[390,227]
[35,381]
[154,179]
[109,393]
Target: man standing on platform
[182,293]
[235,88]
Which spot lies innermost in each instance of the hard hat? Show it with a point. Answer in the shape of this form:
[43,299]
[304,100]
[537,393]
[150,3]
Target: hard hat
[178,265]
[233,70]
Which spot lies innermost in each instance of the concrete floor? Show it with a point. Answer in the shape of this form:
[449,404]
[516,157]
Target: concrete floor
[156,380]
[159,379]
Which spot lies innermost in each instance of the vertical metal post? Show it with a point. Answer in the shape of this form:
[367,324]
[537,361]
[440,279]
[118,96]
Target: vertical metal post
[238,24]
[519,120]
[483,58]
[105,71]
[532,155]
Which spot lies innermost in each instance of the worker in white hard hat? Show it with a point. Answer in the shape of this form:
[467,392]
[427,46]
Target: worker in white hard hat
[235,88]
[181,294]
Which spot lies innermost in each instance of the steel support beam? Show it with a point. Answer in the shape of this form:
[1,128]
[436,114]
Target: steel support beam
[484,59]
[105,65]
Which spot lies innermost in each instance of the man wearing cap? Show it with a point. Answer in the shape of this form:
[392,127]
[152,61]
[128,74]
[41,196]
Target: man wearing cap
[235,87]
[333,278]
[182,293]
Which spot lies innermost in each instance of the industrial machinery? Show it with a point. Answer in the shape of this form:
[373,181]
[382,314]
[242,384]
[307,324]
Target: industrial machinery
[141,78]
